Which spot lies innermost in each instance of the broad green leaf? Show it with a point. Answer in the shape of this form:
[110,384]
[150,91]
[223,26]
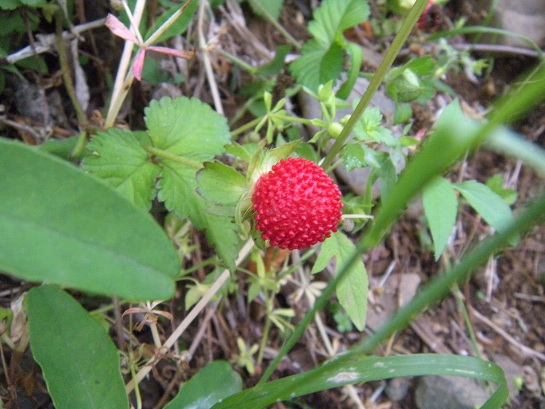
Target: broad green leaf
[209,386]
[488,204]
[338,372]
[63,226]
[440,206]
[352,289]
[187,127]
[79,360]
[119,160]
[221,184]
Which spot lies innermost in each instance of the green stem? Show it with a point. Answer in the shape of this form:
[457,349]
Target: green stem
[246,126]
[160,153]
[377,79]
[467,321]
[288,118]
[266,331]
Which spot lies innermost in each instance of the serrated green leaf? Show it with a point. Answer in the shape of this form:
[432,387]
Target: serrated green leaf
[187,127]
[488,204]
[332,17]
[63,226]
[221,184]
[352,290]
[440,207]
[322,58]
[119,160]
[190,129]
[177,188]
[369,126]
[210,385]
[78,359]
[318,65]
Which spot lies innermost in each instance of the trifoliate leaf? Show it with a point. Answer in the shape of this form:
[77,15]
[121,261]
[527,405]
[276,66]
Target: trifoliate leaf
[187,127]
[119,159]
[352,290]
[187,132]
[335,16]
[440,205]
[322,57]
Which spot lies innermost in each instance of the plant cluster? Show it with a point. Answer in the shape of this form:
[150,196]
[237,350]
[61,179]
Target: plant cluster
[251,190]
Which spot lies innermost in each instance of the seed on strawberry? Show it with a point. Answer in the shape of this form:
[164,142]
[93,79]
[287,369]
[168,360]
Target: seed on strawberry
[296,204]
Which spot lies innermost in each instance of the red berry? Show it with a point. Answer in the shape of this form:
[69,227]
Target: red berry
[296,204]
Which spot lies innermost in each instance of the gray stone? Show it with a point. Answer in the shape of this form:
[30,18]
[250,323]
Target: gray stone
[397,389]
[522,17]
[449,392]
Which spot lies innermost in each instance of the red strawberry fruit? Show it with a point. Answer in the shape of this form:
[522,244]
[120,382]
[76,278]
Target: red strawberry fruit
[296,204]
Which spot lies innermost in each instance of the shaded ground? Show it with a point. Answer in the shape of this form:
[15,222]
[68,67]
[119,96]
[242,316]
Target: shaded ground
[505,300]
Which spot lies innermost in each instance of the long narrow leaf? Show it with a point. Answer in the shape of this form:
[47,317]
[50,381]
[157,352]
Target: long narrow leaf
[367,369]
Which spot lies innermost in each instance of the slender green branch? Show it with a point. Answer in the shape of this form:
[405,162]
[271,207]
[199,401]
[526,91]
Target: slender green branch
[246,126]
[377,79]
[160,153]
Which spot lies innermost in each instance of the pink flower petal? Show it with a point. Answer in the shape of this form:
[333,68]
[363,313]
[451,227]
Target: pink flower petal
[188,55]
[138,64]
[119,29]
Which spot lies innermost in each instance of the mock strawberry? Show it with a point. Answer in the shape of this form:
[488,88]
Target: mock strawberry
[296,204]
